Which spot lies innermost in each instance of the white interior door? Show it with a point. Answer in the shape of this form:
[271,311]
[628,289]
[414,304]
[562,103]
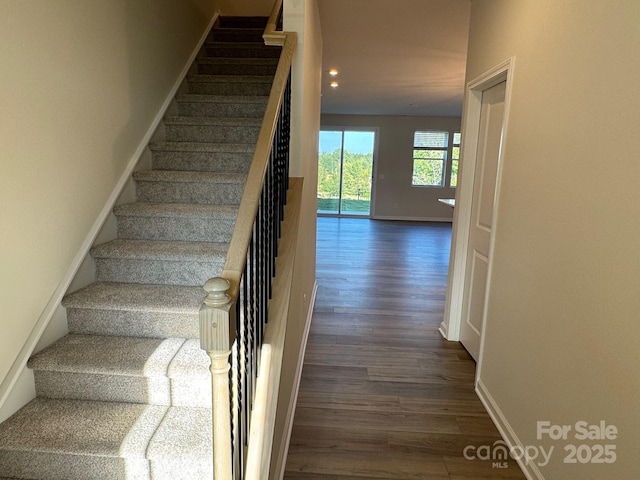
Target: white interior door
[481,227]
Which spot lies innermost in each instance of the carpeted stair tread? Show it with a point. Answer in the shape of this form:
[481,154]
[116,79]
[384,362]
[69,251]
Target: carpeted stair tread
[202,147]
[233,21]
[158,250]
[236,66]
[241,50]
[176,222]
[140,209]
[164,186]
[158,262]
[137,297]
[82,428]
[189,361]
[233,34]
[216,129]
[238,39]
[189,177]
[77,440]
[234,99]
[182,445]
[228,106]
[126,356]
[202,157]
[237,61]
[158,311]
[239,45]
[217,121]
[171,371]
[108,355]
[247,84]
[227,79]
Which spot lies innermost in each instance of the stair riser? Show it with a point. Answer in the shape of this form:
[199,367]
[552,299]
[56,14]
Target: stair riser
[189,229]
[235,69]
[242,22]
[219,88]
[237,35]
[228,109]
[189,469]
[202,161]
[57,466]
[183,192]
[212,133]
[106,388]
[192,391]
[133,323]
[220,51]
[156,272]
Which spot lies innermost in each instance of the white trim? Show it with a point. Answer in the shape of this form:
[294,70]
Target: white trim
[443,330]
[464,193]
[20,362]
[293,401]
[507,433]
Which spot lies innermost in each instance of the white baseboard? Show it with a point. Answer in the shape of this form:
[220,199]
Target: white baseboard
[413,219]
[507,433]
[16,372]
[293,401]
[443,329]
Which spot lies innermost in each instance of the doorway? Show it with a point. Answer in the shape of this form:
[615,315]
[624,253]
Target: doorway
[345,172]
[481,227]
[484,129]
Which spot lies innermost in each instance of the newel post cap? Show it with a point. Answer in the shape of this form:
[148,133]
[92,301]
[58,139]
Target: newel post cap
[216,289]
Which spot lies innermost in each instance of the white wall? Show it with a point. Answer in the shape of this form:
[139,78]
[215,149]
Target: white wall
[395,197]
[300,16]
[562,332]
[81,83]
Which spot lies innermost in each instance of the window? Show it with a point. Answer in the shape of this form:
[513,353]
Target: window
[345,171]
[455,159]
[429,158]
[431,149]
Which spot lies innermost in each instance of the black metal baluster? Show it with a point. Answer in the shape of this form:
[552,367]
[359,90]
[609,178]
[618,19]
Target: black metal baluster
[233,406]
[270,225]
[242,406]
[257,283]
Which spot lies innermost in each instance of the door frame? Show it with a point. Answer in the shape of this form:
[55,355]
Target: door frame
[451,324]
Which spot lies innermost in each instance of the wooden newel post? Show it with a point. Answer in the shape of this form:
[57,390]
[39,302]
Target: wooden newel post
[217,334]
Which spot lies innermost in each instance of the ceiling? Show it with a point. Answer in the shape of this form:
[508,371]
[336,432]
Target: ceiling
[394,57]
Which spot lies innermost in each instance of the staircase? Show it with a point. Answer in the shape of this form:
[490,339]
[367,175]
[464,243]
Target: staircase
[127,394]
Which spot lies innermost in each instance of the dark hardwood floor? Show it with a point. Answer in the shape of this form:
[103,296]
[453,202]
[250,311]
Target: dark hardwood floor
[383,395]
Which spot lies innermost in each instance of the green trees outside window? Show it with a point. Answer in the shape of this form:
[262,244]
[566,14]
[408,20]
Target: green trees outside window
[430,153]
[345,170]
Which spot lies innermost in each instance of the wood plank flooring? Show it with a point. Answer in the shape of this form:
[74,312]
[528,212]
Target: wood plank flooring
[383,395]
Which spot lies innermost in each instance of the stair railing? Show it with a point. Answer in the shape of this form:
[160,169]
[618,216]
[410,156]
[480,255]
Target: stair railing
[234,315]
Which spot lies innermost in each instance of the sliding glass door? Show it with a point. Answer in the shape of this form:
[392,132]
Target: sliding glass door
[345,172]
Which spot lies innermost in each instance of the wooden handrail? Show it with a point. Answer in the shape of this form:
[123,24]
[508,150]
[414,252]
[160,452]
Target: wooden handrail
[271,35]
[241,238]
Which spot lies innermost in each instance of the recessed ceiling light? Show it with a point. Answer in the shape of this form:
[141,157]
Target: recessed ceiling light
[333,72]
[334,84]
